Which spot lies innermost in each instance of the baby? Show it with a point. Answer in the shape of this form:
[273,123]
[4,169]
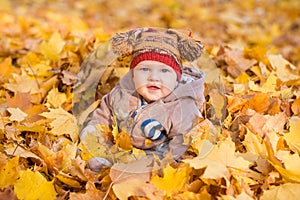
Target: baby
[158,100]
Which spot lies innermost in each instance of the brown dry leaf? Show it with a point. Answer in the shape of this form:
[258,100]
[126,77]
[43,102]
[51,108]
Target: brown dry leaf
[8,194]
[20,100]
[237,63]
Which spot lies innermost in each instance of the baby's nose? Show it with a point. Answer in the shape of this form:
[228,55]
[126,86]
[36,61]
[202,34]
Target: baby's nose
[154,75]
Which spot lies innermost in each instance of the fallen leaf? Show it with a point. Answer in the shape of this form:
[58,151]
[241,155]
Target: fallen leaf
[293,137]
[172,181]
[9,173]
[237,63]
[33,185]
[63,123]
[20,100]
[56,98]
[16,114]
[23,84]
[285,70]
[285,191]
[53,47]
[296,107]
[260,103]
[220,160]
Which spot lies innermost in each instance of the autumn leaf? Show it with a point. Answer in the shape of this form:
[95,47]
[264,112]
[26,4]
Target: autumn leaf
[220,161]
[20,100]
[9,173]
[56,98]
[172,181]
[53,47]
[296,107]
[16,114]
[285,191]
[23,84]
[284,69]
[63,123]
[137,187]
[32,185]
[292,137]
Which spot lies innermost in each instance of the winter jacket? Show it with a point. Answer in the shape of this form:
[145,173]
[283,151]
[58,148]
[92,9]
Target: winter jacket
[163,122]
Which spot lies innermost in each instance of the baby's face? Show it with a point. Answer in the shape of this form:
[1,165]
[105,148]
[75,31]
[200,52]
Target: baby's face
[154,80]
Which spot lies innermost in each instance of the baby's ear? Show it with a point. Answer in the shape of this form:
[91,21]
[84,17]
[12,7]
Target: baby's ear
[189,48]
[122,43]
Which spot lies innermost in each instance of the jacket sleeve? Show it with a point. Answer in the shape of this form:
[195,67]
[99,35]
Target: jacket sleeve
[183,119]
[103,114]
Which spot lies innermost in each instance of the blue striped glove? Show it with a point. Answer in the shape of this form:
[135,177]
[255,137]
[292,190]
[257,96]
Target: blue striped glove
[153,129]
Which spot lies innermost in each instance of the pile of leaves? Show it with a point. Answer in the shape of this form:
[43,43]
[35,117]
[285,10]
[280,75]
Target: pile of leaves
[247,147]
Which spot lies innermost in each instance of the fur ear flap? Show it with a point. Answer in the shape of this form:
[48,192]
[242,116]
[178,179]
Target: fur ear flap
[122,43]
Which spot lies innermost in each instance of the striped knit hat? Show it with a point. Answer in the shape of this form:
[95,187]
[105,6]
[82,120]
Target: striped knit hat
[163,45]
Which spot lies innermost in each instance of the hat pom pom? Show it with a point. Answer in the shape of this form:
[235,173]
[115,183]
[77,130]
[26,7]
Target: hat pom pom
[122,43]
[190,49]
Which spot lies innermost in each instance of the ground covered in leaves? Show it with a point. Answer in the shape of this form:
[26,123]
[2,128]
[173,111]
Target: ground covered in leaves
[247,147]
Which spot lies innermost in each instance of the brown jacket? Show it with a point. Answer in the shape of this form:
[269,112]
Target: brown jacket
[176,112]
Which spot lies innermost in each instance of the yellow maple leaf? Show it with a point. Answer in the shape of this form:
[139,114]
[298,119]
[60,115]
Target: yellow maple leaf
[220,161]
[173,179]
[53,47]
[16,114]
[8,173]
[56,98]
[63,123]
[32,186]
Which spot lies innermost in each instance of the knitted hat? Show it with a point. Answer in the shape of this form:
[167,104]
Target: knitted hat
[163,45]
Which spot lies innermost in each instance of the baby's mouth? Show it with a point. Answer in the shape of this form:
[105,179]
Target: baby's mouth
[153,87]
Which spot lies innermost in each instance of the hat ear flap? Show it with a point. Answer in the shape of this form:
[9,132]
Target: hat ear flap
[122,43]
[189,48]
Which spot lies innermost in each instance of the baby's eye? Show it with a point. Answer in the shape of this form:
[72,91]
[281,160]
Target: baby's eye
[145,69]
[165,70]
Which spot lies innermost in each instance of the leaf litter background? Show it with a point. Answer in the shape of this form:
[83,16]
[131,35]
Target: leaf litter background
[253,154]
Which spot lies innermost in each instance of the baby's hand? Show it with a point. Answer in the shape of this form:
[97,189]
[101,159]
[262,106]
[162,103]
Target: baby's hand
[88,129]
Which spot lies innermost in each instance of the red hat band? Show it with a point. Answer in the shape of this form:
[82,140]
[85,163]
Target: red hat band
[160,57]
